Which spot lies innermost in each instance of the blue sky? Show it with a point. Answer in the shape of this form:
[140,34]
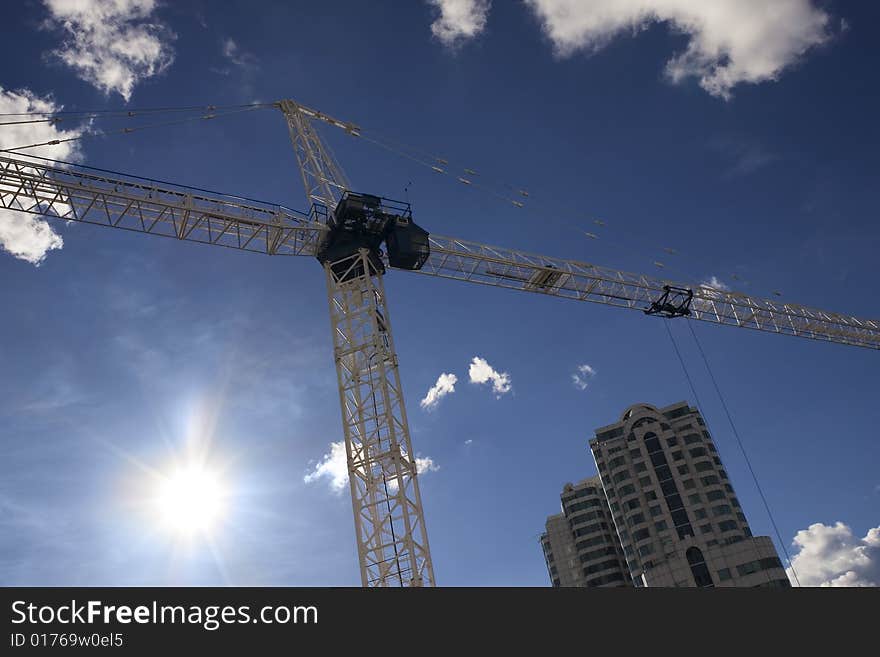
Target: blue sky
[758,167]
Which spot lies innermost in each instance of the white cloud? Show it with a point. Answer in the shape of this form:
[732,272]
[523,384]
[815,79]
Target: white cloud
[426,464]
[459,20]
[27,236]
[715,283]
[240,58]
[481,372]
[833,556]
[111,44]
[730,41]
[334,467]
[469,441]
[445,385]
[423,465]
[581,377]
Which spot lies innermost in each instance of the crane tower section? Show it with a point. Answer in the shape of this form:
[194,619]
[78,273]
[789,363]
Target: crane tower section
[392,542]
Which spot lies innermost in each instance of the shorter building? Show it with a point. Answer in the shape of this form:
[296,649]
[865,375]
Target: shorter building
[580,544]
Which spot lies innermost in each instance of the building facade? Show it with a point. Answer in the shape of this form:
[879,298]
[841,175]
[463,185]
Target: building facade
[674,508]
[662,512]
[580,544]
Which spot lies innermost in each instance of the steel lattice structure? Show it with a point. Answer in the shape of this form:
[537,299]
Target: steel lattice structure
[388,518]
[135,204]
[392,542]
[500,267]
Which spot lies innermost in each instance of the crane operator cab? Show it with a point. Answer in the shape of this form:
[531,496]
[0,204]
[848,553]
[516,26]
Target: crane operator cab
[364,221]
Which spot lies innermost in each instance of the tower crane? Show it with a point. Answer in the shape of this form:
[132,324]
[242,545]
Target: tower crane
[346,231]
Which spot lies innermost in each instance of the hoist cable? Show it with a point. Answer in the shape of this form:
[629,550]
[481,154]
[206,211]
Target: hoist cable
[742,450]
[136,111]
[127,130]
[693,388]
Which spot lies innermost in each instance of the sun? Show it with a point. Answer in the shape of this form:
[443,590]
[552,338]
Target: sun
[190,500]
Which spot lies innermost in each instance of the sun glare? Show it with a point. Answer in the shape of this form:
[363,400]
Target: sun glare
[190,500]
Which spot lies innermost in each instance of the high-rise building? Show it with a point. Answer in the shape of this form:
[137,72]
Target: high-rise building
[580,544]
[662,512]
[673,505]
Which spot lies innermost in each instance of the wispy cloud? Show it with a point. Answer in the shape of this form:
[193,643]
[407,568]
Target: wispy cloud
[481,372]
[111,44]
[240,58]
[744,154]
[833,556]
[715,283]
[730,42]
[445,386]
[580,379]
[459,20]
[27,236]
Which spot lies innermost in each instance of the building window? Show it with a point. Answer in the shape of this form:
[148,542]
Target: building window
[727,525]
[724,574]
[663,472]
[640,466]
[644,481]
[660,525]
[626,490]
[688,484]
[635,453]
[702,466]
[692,438]
[624,474]
[635,519]
[677,456]
[650,495]
[655,511]
[715,495]
[706,529]
[672,441]
[641,534]
[748,568]
[694,498]
[695,452]
[699,570]
[652,444]
[699,514]
[720,510]
[709,480]
[683,469]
